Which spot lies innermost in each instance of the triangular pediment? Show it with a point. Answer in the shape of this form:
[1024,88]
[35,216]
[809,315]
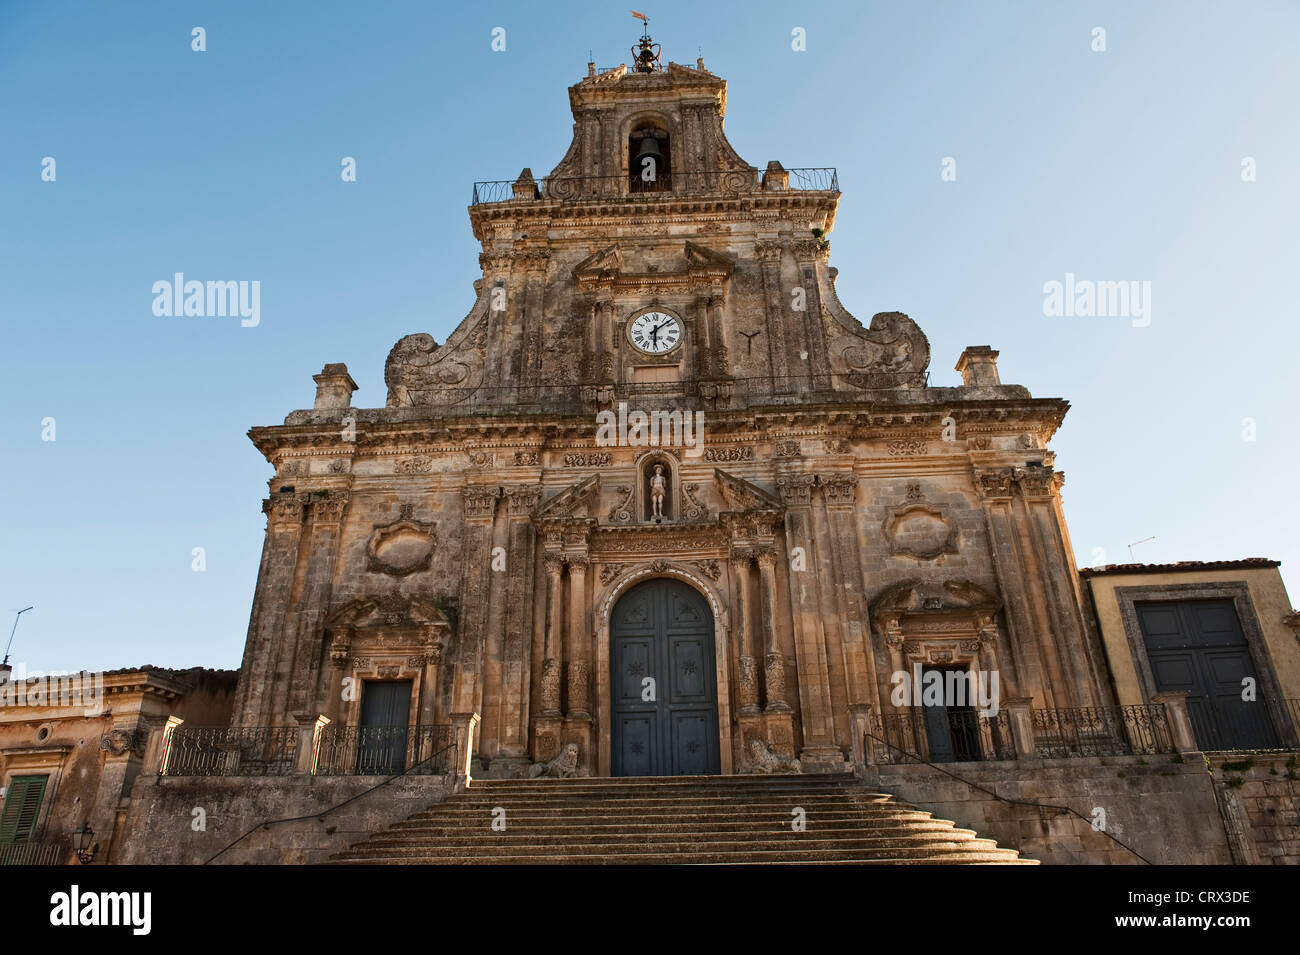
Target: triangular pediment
[573,502]
[605,262]
[742,496]
[702,257]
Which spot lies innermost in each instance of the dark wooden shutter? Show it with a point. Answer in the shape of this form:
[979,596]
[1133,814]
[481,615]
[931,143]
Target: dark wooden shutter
[22,808]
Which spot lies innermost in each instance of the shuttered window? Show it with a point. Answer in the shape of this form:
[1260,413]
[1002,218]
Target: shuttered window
[22,808]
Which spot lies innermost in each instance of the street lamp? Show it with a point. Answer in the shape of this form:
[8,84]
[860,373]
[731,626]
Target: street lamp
[85,850]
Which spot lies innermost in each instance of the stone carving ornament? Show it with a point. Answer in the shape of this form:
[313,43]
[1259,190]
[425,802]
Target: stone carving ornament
[401,547]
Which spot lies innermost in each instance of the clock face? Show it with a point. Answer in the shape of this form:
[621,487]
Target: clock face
[655,333]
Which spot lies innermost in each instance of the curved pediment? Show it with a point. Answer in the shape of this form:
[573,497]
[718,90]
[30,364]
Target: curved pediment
[387,610]
[934,596]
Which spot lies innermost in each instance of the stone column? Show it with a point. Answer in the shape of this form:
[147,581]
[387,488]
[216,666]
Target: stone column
[860,720]
[554,629]
[1020,716]
[769,255]
[310,726]
[748,688]
[512,730]
[298,670]
[994,488]
[270,606]
[155,753]
[717,340]
[464,730]
[773,658]
[480,507]
[703,347]
[1077,656]
[578,655]
[1179,720]
[809,258]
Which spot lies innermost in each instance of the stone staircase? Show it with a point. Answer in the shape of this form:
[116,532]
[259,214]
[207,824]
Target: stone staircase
[680,819]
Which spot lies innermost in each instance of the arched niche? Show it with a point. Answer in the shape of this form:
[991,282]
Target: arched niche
[644,498]
[649,155]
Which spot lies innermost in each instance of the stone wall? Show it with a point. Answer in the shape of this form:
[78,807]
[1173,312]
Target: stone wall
[160,828]
[1260,798]
[1163,809]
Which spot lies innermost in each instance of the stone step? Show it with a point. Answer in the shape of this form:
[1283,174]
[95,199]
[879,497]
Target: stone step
[737,779]
[586,787]
[677,842]
[770,802]
[767,857]
[562,827]
[709,819]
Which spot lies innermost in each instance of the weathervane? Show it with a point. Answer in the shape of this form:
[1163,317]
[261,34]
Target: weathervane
[645,56]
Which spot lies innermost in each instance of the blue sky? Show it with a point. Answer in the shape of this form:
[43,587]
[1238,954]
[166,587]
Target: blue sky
[1115,165]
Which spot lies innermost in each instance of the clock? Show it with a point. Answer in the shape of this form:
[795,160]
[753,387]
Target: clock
[655,333]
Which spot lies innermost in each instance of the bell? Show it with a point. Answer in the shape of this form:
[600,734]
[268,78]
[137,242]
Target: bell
[649,147]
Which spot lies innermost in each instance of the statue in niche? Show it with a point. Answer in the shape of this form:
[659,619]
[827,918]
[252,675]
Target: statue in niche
[658,494]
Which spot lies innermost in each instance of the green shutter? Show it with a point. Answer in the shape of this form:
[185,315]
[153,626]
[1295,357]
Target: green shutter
[22,808]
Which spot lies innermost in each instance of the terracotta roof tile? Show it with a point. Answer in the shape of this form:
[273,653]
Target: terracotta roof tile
[1182,565]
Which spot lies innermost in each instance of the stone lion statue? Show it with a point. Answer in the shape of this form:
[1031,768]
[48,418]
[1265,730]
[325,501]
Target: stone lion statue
[763,760]
[563,766]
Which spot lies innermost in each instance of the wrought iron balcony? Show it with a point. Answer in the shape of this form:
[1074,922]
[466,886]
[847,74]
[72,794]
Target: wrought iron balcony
[668,185]
[231,751]
[385,750]
[946,736]
[34,852]
[1081,731]
[1234,725]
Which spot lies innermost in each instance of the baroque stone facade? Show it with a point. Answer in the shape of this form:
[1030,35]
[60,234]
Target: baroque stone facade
[842,519]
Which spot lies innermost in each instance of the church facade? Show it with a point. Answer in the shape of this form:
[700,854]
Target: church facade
[660,495]
[660,505]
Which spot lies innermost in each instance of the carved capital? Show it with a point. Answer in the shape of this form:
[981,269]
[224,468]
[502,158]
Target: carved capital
[329,510]
[524,498]
[740,560]
[840,489]
[480,500]
[993,482]
[768,252]
[1038,482]
[284,509]
[795,488]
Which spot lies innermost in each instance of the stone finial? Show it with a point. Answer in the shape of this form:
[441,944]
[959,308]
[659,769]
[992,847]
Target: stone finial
[525,187]
[334,387]
[775,176]
[978,365]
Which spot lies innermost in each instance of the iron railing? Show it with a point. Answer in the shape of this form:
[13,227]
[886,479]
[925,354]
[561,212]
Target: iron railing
[1076,732]
[385,750]
[1234,725]
[687,394]
[231,751]
[667,184]
[942,736]
[34,852]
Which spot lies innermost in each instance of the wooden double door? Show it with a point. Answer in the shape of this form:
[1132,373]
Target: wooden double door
[1198,646]
[663,680]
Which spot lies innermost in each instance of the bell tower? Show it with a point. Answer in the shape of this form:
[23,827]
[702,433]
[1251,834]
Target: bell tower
[653,263]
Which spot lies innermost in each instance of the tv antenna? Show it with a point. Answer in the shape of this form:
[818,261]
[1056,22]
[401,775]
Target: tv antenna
[1131,558]
[5,668]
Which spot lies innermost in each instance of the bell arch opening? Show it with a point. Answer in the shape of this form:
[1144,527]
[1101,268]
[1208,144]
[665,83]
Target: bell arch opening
[649,153]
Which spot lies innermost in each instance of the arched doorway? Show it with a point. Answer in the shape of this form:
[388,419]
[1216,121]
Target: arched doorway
[663,683]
